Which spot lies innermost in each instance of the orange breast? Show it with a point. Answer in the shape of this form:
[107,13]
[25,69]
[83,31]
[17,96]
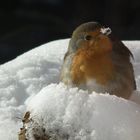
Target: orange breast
[86,65]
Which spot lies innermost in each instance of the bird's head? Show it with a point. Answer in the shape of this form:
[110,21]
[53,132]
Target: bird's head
[91,37]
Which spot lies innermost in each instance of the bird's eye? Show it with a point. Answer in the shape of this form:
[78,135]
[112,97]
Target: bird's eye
[87,37]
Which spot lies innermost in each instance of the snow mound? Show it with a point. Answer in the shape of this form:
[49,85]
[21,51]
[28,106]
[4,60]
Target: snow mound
[76,115]
[30,76]
[24,77]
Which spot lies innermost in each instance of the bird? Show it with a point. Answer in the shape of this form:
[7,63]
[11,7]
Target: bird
[98,61]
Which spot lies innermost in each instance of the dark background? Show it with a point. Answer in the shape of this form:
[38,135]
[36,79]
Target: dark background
[25,24]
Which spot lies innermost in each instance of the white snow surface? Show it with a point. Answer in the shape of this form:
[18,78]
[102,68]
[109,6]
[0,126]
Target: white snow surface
[31,83]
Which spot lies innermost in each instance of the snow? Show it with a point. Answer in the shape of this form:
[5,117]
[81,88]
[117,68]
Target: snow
[81,116]
[106,31]
[31,83]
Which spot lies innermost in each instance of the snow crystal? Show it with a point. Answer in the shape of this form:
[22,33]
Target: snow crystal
[106,31]
[31,83]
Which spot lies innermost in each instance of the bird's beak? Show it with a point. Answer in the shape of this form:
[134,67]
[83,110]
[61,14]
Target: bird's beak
[92,42]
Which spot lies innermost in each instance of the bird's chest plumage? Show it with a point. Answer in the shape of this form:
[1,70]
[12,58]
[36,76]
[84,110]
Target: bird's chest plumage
[89,72]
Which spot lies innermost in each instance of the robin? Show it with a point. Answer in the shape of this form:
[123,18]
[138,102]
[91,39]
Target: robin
[98,61]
